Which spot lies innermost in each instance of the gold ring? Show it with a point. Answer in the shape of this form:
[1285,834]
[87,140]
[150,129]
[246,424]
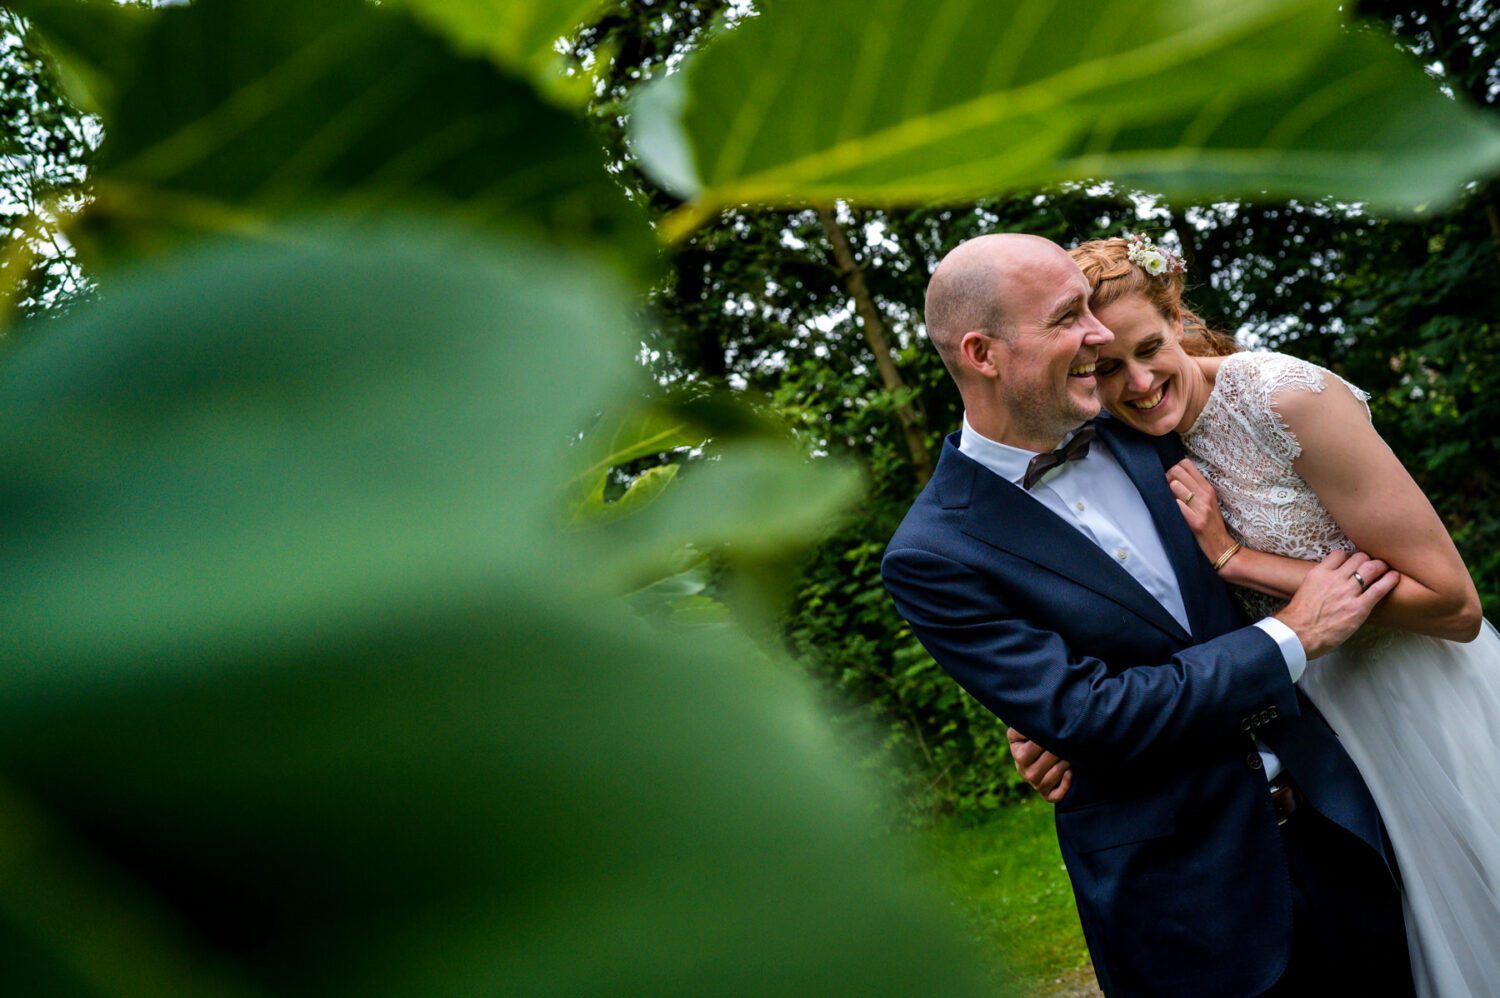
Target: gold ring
[1189,500]
[1360,579]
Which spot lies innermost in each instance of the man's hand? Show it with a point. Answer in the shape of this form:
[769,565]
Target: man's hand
[1335,599]
[1048,775]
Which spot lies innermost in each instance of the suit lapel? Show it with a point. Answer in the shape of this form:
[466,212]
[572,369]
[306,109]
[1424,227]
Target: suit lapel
[1143,463]
[1003,516]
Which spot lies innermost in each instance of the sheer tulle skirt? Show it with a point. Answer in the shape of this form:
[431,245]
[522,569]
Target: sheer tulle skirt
[1421,718]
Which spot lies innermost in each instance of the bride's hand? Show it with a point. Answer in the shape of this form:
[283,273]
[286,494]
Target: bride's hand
[1199,505]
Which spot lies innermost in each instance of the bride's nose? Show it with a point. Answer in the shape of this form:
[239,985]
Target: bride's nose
[1137,379]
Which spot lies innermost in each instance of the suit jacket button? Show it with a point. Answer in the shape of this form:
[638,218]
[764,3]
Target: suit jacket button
[1253,760]
[1246,724]
[1273,712]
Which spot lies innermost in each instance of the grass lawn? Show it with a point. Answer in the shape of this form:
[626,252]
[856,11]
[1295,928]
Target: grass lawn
[1006,879]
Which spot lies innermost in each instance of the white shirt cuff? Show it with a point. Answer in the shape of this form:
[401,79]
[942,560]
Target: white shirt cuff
[1291,646]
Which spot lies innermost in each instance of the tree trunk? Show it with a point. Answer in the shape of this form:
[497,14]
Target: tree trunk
[913,423]
[707,349]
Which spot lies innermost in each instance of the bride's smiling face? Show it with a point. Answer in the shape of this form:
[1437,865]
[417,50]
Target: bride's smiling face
[1143,374]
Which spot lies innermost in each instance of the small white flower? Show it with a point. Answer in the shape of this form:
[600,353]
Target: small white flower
[1151,258]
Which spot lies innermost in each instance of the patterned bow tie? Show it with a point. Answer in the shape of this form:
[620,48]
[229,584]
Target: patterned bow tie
[1071,451]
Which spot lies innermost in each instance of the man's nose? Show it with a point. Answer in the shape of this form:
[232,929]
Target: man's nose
[1098,333]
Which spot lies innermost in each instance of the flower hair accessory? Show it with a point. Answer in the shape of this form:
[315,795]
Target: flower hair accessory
[1152,258]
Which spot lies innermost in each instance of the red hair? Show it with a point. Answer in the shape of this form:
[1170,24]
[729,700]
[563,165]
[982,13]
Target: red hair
[1111,276]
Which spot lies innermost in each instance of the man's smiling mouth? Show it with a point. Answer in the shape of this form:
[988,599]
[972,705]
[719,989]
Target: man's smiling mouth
[1084,370]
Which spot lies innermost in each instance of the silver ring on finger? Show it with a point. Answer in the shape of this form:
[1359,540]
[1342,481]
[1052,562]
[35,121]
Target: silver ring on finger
[1363,585]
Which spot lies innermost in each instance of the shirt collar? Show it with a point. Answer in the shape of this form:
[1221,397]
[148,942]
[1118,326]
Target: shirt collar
[1004,460]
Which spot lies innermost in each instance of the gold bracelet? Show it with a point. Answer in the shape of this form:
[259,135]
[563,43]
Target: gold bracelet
[1234,549]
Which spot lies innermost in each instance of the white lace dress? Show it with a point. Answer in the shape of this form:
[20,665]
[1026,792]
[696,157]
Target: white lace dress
[1420,716]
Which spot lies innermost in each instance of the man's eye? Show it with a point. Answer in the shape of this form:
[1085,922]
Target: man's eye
[1105,367]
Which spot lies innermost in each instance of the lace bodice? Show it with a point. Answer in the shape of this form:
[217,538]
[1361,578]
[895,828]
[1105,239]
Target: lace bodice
[1242,445]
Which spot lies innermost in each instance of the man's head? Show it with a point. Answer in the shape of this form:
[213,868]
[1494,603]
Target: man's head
[1009,315]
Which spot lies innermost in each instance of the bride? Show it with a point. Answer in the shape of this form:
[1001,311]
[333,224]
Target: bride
[1284,453]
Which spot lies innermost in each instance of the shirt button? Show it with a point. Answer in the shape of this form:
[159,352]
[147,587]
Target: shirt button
[1079,505]
[1121,553]
[1254,761]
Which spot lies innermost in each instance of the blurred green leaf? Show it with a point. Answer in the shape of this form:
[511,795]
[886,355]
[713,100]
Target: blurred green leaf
[519,34]
[919,104]
[227,115]
[680,601]
[641,429]
[1362,124]
[92,44]
[292,656]
[646,487]
[231,471]
[755,499]
[759,496]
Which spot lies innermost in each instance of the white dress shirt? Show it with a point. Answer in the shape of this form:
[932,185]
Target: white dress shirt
[1095,496]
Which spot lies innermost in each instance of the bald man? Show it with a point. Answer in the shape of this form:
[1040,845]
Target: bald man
[1219,840]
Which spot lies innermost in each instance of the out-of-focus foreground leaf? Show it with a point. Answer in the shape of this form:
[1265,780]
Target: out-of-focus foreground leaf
[619,437]
[520,34]
[225,115]
[918,103]
[300,687]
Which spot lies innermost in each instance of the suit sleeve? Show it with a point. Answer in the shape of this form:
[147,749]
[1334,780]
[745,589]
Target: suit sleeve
[1077,706]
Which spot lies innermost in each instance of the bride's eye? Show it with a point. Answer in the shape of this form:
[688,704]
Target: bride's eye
[1106,367]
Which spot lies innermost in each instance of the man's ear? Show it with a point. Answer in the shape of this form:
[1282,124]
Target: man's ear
[977,351]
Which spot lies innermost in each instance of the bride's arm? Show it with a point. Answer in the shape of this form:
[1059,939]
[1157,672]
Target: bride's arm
[1272,574]
[1377,505]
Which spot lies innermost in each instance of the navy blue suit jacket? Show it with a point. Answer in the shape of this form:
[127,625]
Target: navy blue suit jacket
[1168,832]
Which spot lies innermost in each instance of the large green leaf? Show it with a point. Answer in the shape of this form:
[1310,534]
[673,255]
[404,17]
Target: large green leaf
[1356,126]
[226,115]
[918,103]
[302,696]
[520,34]
[290,418]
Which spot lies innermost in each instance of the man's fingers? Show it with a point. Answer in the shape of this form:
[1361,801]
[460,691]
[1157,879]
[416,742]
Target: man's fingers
[1015,736]
[1052,778]
[1335,559]
[1025,754]
[1038,769]
[1381,586]
[1062,789]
